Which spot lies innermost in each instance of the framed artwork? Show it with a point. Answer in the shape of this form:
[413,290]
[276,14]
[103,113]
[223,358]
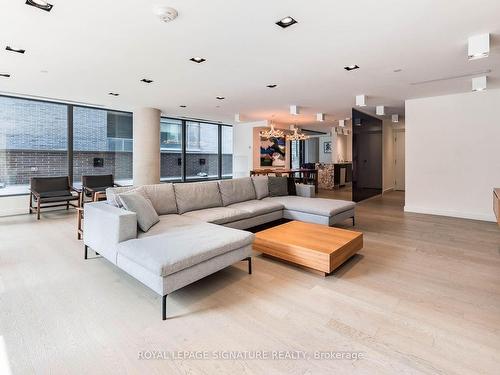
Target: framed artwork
[327,147]
[272,152]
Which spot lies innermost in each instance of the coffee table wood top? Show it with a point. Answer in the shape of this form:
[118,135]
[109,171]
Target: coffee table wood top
[314,246]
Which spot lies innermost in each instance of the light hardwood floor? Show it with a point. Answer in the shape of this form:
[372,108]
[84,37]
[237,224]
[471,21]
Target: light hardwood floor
[423,296]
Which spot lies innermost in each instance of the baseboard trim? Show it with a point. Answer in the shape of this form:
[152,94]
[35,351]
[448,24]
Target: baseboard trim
[387,190]
[458,214]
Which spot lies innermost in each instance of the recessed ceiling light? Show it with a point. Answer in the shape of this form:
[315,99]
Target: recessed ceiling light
[217,106]
[397,70]
[40,4]
[220,98]
[351,67]
[197,60]
[113,94]
[4,75]
[145,80]
[271,86]
[285,22]
[183,106]
[18,50]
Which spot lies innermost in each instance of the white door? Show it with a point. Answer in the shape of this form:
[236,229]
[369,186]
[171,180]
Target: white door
[399,160]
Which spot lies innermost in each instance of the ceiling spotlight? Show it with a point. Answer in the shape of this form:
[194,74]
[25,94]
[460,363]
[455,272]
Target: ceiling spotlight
[285,22]
[342,123]
[6,75]
[479,83]
[18,50]
[351,67]
[320,117]
[237,117]
[145,80]
[395,118]
[479,46]
[183,106]
[197,60]
[397,70]
[40,4]
[220,98]
[294,110]
[380,110]
[361,100]
[113,94]
[271,86]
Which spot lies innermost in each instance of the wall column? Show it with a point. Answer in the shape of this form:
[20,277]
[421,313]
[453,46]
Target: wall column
[146,146]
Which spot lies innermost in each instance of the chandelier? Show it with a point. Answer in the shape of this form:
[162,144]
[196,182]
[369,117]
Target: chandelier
[296,136]
[272,132]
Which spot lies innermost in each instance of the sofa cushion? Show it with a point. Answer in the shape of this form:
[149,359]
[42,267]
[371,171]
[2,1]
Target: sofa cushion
[112,194]
[146,214]
[170,223]
[162,196]
[316,206]
[278,186]
[197,196]
[257,207]
[260,183]
[168,253]
[218,215]
[236,190]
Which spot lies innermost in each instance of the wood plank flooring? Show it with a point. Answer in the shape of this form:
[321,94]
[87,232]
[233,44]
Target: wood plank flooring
[422,297]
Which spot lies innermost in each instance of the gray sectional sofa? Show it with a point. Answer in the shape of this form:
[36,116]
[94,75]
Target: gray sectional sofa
[200,229]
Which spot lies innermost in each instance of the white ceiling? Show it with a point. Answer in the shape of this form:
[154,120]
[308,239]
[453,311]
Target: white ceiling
[93,47]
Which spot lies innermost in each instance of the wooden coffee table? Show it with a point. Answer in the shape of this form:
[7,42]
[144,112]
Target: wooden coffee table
[317,247]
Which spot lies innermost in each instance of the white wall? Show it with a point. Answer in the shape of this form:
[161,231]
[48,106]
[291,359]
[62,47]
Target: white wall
[326,157]
[243,153]
[453,154]
[387,156]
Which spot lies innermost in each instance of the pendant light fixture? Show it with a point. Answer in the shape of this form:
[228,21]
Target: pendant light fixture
[272,132]
[297,135]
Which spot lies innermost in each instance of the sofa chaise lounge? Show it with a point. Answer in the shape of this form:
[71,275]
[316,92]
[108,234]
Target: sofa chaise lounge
[200,229]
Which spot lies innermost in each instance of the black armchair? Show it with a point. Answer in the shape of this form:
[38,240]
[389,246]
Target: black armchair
[48,192]
[94,185]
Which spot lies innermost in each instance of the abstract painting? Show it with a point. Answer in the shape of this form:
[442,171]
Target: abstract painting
[272,152]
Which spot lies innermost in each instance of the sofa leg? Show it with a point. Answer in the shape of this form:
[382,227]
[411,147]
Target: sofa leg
[164,307]
[353,221]
[85,252]
[249,260]
[38,209]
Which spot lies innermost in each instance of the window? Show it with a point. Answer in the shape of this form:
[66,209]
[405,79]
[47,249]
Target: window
[170,149]
[102,144]
[227,151]
[33,142]
[202,151]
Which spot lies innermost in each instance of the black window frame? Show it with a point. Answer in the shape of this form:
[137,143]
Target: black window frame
[184,122]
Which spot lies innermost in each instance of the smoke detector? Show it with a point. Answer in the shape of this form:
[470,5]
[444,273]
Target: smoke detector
[166,14]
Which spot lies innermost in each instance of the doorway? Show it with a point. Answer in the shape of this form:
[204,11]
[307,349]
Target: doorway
[366,156]
[399,159]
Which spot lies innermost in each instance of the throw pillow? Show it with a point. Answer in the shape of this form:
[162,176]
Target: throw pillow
[278,186]
[146,214]
[292,190]
[260,183]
